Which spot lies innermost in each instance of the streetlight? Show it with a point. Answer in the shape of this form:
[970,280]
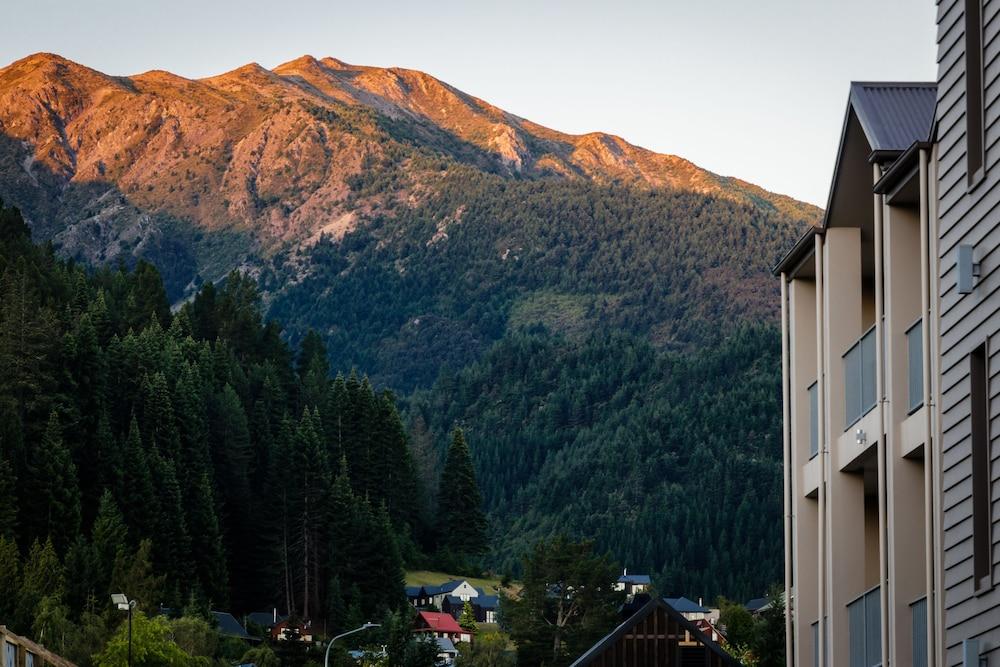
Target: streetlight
[124,604]
[366,626]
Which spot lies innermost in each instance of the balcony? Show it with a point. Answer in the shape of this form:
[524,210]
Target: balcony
[918,613]
[865,622]
[859,379]
[915,366]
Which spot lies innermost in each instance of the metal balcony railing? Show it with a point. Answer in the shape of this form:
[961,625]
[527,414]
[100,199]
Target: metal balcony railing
[865,626]
[918,612]
[813,420]
[915,365]
[859,378]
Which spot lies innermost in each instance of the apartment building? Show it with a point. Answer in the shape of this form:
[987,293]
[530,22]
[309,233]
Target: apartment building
[856,295]
[890,314]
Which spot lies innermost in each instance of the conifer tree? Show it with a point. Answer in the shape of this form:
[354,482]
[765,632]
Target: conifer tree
[133,572]
[55,491]
[209,558]
[462,524]
[135,492]
[109,536]
[467,620]
[8,499]
[10,577]
[43,576]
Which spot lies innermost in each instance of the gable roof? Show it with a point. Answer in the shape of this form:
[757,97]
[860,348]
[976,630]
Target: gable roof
[634,579]
[446,587]
[264,618]
[685,606]
[445,645]
[656,603]
[440,622]
[229,626]
[755,604]
[487,601]
[893,114]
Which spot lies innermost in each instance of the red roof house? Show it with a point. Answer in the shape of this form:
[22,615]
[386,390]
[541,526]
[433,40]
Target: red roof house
[441,625]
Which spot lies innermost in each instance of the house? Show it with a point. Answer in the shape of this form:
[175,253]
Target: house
[709,629]
[17,651]
[632,584]
[228,626]
[458,587]
[483,606]
[441,626]
[757,605]
[286,630]
[265,619]
[858,323]
[656,634]
[689,609]
[419,596]
[447,653]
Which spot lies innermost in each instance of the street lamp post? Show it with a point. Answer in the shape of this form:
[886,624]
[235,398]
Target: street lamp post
[124,604]
[366,626]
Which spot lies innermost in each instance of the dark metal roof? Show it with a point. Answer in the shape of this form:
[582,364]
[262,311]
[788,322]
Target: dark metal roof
[229,626]
[894,115]
[685,606]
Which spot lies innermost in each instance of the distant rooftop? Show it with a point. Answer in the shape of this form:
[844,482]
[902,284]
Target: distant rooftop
[634,579]
[685,606]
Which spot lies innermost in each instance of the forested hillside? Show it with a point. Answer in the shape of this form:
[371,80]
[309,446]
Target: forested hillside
[614,351]
[598,317]
[189,459]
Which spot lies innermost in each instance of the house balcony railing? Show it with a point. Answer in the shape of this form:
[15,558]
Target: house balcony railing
[918,614]
[859,378]
[865,626]
[915,365]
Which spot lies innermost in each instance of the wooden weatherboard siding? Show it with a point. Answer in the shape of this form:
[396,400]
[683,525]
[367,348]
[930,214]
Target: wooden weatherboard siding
[968,215]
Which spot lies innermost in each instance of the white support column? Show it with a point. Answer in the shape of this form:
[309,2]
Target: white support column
[787,457]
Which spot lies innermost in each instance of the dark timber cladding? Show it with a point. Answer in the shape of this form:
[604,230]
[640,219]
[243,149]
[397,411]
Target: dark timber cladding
[656,635]
[969,214]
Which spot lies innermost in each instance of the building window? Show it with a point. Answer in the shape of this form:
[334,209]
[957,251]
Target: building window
[813,420]
[859,378]
[979,399]
[974,136]
[918,611]
[865,618]
[915,365]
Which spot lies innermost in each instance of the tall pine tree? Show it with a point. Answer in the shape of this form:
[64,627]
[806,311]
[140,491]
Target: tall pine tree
[461,523]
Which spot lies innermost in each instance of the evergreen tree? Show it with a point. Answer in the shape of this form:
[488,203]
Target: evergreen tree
[54,488]
[10,576]
[209,558]
[565,604]
[43,576]
[109,537]
[462,524]
[8,499]
[468,618]
[133,574]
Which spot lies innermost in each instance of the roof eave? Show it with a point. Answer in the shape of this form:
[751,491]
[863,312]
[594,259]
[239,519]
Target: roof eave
[794,256]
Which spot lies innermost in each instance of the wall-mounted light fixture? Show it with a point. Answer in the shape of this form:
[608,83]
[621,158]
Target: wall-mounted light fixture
[860,436]
[968,269]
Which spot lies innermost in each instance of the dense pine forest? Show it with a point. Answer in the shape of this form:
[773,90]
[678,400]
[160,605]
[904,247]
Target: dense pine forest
[191,458]
[612,351]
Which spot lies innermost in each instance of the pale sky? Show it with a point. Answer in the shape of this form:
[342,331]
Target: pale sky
[748,88]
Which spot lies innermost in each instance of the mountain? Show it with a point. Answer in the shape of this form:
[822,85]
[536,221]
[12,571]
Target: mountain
[103,164]
[594,314]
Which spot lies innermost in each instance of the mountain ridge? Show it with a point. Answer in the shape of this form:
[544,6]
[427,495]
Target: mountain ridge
[248,121]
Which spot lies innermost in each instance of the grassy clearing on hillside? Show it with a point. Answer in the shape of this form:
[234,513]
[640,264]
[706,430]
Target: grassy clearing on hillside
[427,577]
